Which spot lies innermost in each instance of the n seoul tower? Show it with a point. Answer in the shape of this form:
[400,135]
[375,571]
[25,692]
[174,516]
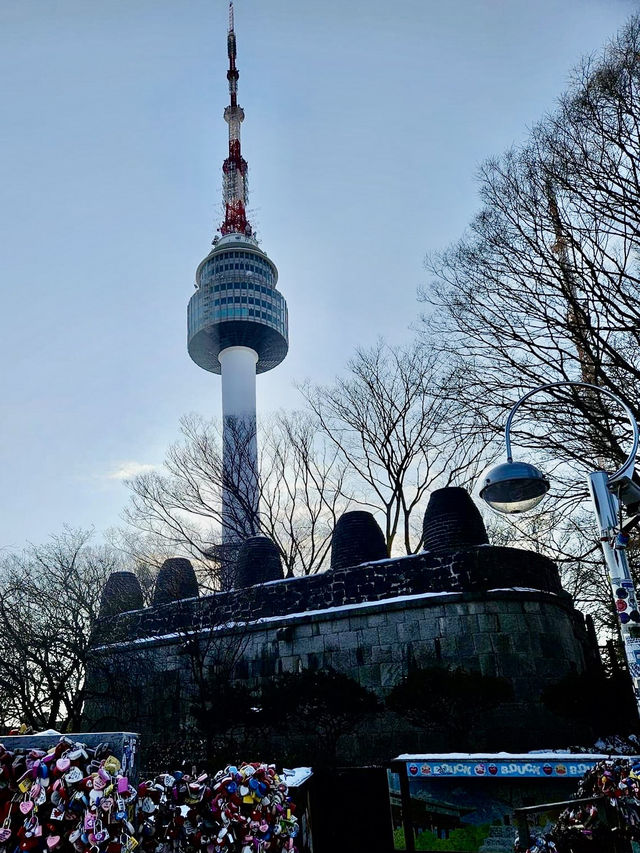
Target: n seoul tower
[237,326]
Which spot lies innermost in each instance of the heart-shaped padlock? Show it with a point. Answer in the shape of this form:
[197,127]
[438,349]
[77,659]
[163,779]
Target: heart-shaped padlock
[74,775]
[148,806]
[77,753]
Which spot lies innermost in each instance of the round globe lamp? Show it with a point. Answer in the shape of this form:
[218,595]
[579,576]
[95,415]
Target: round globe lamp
[513,487]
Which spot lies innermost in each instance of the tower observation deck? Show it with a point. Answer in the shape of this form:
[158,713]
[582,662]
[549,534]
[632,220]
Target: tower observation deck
[236,304]
[237,326]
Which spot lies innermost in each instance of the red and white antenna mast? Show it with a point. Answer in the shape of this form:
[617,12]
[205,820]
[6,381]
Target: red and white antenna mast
[234,168]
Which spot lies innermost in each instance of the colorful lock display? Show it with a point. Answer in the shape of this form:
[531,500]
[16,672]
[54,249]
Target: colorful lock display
[90,806]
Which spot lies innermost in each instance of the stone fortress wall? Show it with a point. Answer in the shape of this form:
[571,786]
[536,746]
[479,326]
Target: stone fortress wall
[461,602]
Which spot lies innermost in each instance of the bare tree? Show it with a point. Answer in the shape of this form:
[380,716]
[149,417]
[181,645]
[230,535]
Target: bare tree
[49,602]
[301,492]
[543,288]
[392,420]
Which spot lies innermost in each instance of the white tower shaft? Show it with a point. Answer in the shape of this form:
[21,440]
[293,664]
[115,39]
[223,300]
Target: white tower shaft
[239,444]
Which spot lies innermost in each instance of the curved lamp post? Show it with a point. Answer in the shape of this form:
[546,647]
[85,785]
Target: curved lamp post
[515,487]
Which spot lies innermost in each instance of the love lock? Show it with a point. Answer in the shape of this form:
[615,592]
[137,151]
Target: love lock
[73,775]
[63,764]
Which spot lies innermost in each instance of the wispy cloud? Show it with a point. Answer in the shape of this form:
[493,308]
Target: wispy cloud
[127,470]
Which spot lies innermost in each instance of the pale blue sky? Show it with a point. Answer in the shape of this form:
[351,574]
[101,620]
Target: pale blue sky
[365,124]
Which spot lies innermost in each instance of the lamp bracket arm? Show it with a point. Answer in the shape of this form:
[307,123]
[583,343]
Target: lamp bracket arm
[625,472]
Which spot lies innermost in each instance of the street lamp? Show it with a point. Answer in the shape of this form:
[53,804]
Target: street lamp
[515,487]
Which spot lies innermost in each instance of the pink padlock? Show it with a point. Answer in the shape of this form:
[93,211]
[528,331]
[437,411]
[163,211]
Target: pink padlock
[123,784]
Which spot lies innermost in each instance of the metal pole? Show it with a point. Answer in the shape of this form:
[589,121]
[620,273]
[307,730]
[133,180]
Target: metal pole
[606,508]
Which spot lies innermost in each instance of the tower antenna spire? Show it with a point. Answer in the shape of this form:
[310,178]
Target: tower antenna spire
[234,168]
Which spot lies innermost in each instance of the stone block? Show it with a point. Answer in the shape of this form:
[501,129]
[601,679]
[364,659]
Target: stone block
[385,653]
[430,628]
[475,607]
[368,636]
[289,663]
[357,623]
[426,610]
[375,620]
[510,623]
[482,643]
[303,629]
[330,626]
[488,622]
[468,624]
[448,649]
[331,642]
[497,606]
[465,647]
[387,633]
[522,642]
[349,640]
[408,632]
[305,645]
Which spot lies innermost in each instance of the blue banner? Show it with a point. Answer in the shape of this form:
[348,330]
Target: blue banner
[536,768]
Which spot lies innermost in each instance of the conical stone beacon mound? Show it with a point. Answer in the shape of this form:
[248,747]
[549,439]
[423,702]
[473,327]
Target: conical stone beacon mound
[176,580]
[452,522]
[122,592]
[357,539]
[258,562]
